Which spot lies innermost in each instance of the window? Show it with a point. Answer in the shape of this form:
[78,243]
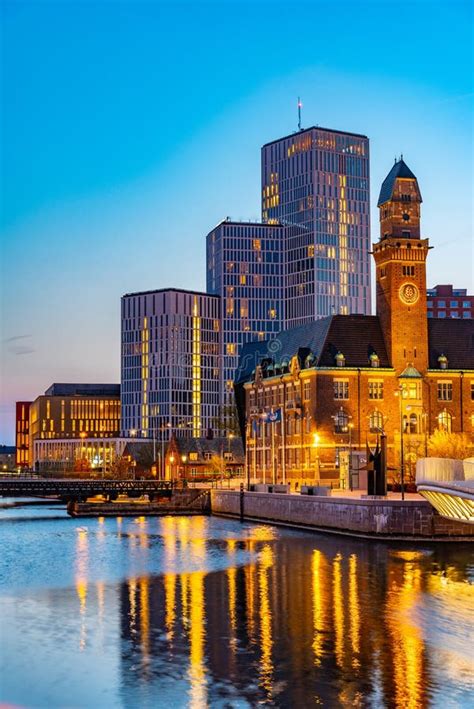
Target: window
[472,391]
[441,303]
[207,455]
[466,304]
[445,391]
[429,303]
[453,303]
[411,391]
[341,389]
[228,456]
[442,313]
[410,424]
[445,421]
[376,421]
[454,314]
[466,314]
[408,270]
[306,390]
[193,455]
[341,422]
[375,390]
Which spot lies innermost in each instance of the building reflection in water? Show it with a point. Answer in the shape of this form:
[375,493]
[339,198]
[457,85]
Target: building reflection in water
[81,580]
[280,619]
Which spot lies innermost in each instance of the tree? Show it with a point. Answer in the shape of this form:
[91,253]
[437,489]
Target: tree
[120,468]
[442,444]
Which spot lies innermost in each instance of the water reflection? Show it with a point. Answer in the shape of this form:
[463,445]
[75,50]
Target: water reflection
[234,614]
[347,612]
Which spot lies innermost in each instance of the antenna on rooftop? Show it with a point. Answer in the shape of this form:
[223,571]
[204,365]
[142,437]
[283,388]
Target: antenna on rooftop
[300,106]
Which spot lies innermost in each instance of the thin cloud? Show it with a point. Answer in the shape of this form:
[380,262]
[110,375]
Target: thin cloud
[16,337]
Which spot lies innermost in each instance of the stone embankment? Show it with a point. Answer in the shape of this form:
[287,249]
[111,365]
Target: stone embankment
[376,518]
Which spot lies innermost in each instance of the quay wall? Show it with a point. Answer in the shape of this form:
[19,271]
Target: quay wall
[390,519]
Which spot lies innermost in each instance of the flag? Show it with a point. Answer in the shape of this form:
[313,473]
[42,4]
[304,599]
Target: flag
[273,416]
[254,429]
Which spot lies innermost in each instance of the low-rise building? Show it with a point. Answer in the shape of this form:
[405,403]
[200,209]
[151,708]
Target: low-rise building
[449,302]
[66,412]
[7,458]
[204,458]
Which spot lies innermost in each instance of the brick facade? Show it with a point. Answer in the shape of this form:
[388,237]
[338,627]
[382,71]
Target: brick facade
[339,385]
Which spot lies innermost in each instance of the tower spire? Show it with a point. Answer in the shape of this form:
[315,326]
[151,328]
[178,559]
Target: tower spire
[300,106]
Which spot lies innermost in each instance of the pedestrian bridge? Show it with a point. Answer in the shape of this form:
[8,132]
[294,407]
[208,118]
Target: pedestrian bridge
[70,490]
[453,499]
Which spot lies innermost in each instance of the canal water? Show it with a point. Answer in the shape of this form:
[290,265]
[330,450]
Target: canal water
[197,611]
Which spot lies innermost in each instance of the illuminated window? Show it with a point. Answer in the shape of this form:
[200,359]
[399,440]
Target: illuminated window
[306,390]
[445,421]
[341,422]
[375,390]
[272,313]
[230,348]
[376,421]
[257,245]
[193,456]
[341,389]
[445,391]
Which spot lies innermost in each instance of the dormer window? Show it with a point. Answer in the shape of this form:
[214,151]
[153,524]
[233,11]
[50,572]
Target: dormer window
[374,360]
[340,360]
[443,361]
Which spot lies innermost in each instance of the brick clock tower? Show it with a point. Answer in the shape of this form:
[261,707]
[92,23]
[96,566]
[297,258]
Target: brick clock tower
[400,258]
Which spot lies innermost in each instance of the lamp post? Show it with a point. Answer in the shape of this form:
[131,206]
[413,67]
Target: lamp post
[401,389]
[229,438]
[316,440]
[184,459]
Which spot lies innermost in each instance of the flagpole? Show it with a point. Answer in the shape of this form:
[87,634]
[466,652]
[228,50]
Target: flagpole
[283,440]
[255,449]
[263,453]
[273,454]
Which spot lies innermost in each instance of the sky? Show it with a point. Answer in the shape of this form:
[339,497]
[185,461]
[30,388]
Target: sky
[129,129]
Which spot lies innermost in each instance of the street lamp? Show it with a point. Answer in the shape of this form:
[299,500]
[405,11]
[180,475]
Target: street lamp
[184,459]
[401,389]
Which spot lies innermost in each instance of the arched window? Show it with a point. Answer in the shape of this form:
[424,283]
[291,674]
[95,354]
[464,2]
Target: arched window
[341,422]
[413,424]
[376,421]
[445,421]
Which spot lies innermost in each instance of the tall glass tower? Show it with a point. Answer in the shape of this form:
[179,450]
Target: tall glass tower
[317,181]
[245,268]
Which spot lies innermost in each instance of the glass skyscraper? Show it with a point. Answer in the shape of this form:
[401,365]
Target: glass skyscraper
[170,363]
[245,268]
[317,181]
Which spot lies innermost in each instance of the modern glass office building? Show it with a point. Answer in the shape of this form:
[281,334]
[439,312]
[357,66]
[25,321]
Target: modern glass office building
[317,180]
[170,363]
[245,268]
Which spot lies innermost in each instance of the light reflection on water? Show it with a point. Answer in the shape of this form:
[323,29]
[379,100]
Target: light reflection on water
[200,612]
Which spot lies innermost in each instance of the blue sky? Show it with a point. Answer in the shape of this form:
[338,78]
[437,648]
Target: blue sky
[129,129]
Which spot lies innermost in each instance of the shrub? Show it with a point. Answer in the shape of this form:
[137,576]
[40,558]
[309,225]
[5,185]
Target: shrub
[442,444]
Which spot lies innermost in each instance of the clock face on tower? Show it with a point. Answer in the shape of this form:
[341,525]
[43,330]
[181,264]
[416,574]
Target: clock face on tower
[408,293]
[406,217]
